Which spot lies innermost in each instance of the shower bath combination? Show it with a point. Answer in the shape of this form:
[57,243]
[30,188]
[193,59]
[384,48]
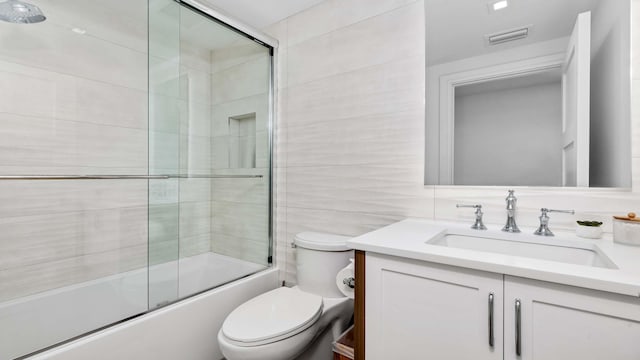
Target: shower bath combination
[18,12]
[143,176]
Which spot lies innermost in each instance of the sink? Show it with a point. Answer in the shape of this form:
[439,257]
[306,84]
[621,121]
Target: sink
[559,251]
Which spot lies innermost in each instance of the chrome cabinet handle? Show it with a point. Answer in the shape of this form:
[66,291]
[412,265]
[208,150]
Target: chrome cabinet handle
[491,334]
[518,328]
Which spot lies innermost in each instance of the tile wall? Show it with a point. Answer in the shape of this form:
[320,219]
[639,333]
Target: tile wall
[350,137]
[239,216]
[73,103]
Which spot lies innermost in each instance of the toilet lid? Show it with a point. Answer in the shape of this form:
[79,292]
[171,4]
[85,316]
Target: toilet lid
[272,316]
[323,242]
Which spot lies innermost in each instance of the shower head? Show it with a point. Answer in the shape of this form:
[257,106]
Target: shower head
[15,11]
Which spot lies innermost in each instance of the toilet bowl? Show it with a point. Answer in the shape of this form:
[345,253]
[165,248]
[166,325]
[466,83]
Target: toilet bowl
[299,322]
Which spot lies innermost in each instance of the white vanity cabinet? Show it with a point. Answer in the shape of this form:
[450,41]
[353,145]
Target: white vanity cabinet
[565,322]
[421,310]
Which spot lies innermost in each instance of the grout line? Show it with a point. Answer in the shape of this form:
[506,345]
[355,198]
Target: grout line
[58,73]
[402,216]
[383,114]
[48,119]
[342,74]
[347,25]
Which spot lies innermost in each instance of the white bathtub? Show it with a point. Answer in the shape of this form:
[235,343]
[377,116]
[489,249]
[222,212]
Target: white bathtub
[35,322]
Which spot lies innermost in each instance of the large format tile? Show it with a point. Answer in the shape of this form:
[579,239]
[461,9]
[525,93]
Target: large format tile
[55,48]
[375,189]
[239,52]
[359,45]
[30,91]
[25,280]
[30,143]
[332,15]
[334,222]
[29,240]
[373,139]
[123,22]
[195,245]
[194,56]
[21,198]
[385,89]
[106,104]
[244,80]
[246,191]
[195,218]
[196,85]
[195,155]
[249,221]
[255,251]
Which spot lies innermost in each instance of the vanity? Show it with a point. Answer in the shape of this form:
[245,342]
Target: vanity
[429,289]
[436,290]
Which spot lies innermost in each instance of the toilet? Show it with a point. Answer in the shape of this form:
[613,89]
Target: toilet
[299,322]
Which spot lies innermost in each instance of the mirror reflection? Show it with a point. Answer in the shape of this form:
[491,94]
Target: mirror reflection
[528,93]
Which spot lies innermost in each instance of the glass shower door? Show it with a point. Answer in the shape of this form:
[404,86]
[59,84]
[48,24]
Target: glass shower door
[210,93]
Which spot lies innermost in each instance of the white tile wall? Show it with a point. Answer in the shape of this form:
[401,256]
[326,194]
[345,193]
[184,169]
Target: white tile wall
[73,104]
[240,85]
[56,233]
[350,138]
[351,122]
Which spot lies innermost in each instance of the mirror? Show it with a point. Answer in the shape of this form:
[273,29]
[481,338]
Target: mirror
[528,93]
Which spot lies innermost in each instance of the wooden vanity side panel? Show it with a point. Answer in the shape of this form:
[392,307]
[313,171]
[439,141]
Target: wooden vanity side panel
[359,305]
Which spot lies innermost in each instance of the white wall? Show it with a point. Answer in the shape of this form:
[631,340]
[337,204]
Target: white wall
[509,137]
[351,131]
[610,95]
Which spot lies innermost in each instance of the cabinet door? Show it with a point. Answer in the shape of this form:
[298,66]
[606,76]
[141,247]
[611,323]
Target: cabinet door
[560,322]
[419,310]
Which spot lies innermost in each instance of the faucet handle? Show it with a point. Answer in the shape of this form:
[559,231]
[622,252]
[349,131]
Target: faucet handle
[478,225]
[543,229]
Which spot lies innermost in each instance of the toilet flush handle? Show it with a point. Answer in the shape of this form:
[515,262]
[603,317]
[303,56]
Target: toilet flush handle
[350,282]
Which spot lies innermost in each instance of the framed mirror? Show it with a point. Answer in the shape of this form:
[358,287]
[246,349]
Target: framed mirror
[528,93]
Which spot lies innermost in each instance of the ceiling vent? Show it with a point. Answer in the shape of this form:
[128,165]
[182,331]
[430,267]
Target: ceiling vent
[508,35]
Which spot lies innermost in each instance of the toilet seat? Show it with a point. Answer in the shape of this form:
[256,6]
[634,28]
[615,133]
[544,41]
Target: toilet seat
[272,316]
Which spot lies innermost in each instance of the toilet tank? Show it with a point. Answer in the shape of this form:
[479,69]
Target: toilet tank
[319,257]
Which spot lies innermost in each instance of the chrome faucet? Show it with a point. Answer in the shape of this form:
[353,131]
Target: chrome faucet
[511,226]
[543,229]
[478,225]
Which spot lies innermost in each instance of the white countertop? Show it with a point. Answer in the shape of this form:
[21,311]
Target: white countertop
[408,239]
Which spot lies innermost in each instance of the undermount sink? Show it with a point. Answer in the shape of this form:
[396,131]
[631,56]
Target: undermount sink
[559,251]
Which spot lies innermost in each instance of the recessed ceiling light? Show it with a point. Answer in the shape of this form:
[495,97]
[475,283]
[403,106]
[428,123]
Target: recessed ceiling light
[79,31]
[499,5]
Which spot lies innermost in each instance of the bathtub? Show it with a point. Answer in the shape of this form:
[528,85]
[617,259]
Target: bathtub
[35,322]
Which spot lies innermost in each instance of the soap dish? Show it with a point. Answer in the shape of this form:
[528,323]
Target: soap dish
[626,229]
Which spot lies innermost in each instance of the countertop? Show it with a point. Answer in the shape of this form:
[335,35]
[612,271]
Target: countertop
[408,239]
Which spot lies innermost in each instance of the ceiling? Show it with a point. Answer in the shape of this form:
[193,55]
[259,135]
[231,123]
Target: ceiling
[457,29]
[261,13]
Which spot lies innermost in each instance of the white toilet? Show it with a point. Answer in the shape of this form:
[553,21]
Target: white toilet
[299,322]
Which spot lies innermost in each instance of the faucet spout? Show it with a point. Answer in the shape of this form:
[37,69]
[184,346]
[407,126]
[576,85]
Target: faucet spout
[511,226]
